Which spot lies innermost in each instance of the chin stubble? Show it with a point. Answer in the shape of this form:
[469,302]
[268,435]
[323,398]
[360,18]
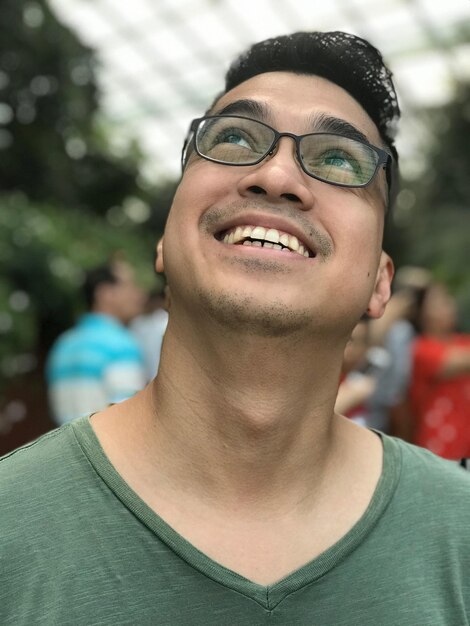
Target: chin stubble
[244,315]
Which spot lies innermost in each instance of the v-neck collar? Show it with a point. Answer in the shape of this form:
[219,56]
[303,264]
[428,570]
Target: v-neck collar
[267,596]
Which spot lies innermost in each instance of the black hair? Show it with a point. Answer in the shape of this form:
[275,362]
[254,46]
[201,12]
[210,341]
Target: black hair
[95,277]
[342,58]
[418,296]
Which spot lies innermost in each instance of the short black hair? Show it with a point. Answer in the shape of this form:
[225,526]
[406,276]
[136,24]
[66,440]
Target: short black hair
[95,277]
[342,58]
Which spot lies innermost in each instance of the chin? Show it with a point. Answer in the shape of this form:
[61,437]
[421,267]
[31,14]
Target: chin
[249,316]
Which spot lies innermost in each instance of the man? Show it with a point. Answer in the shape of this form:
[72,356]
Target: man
[149,329]
[228,491]
[389,404]
[358,379]
[98,362]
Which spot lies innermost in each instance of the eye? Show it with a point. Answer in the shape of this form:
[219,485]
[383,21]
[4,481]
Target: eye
[233,140]
[342,160]
[233,136]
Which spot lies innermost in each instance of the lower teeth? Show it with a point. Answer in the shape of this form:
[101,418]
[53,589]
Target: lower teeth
[259,244]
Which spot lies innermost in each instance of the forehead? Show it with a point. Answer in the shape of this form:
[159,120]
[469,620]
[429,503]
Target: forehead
[291,99]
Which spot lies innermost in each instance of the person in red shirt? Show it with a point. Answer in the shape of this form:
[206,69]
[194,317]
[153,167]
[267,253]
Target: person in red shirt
[440,385]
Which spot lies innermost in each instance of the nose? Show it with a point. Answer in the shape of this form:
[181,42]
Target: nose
[279,176]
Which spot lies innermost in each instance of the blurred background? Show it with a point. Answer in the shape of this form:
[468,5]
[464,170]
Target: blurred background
[95,100]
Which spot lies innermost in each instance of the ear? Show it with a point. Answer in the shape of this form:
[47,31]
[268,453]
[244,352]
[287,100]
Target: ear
[159,267]
[382,288]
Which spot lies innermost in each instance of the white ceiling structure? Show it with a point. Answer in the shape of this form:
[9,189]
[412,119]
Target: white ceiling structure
[162,61]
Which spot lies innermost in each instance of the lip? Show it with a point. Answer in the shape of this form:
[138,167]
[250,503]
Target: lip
[267,221]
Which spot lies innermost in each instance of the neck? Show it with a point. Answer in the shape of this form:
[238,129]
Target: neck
[439,333]
[244,417]
[108,311]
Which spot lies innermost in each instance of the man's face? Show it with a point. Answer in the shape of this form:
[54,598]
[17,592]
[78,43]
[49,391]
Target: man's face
[263,289]
[439,312]
[124,298]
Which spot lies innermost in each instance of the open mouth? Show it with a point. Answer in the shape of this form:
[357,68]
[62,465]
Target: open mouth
[258,236]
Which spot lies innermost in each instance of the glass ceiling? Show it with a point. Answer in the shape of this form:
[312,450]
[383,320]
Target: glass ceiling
[162,62]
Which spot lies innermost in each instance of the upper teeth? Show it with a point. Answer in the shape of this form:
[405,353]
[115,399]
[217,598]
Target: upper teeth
[271,237]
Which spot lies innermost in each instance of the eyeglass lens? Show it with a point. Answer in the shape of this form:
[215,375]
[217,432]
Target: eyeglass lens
[241,141]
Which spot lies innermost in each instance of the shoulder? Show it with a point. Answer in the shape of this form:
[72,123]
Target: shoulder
[44,491]
[428,356]
[67,345]
[428,515]
[34,469]
[430,505]
[95,337]
[430,476]
[119,340]
[66,340]
[426,345]
[125,349]
[461,340]
[46,505]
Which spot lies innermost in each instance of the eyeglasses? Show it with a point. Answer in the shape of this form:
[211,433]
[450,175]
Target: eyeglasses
[329,157]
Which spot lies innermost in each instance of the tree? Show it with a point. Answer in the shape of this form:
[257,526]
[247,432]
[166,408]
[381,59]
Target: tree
[67,203]
[436,231]
[49,145]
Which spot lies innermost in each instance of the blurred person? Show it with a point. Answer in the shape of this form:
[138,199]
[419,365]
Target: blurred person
[408,281]
[389,409]
[355,385]
[229,491]
[362,367]
[149,329]
[98,362]
[440,383]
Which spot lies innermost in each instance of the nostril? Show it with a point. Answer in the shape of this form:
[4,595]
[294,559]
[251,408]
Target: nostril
[256,189]
[291,196]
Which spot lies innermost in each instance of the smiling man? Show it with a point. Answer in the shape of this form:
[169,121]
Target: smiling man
[229,491]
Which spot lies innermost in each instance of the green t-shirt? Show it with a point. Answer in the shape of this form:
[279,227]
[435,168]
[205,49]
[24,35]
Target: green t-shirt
[80,548]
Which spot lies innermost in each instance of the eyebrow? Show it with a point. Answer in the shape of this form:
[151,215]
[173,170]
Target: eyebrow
[253,108]
[331,124]
[319,122]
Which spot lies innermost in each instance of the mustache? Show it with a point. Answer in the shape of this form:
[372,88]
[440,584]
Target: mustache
[215,215]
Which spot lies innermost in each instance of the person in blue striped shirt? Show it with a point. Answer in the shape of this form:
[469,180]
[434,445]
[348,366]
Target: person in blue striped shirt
[98,362]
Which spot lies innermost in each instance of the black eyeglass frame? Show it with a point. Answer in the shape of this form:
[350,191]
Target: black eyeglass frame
[385,159]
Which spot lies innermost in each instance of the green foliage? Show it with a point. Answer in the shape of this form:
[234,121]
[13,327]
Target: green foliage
[436,233]
[50,146]
[44,251]
[449,157]
[67,203]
